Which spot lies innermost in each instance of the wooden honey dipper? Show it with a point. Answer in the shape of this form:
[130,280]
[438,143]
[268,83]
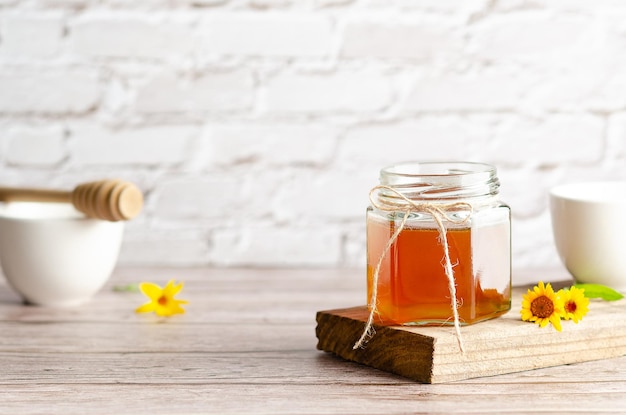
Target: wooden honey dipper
[111,200]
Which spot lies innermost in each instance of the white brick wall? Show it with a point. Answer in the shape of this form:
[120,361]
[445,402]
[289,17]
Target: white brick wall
[154,145]
[134,35]
[31,35]
[217,91]
[46,90]
[269,34]
[35,146]
[257,127]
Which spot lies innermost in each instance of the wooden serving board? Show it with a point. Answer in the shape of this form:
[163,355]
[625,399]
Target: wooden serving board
[502,345]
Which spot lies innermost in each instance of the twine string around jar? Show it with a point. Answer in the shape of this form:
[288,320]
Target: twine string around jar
[439,213]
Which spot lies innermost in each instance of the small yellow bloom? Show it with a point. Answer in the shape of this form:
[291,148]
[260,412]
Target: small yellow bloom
[575,304]
[542,306]
[162,300]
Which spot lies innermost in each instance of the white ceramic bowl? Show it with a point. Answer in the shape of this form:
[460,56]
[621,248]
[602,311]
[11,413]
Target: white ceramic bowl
[54,256]
[589,227]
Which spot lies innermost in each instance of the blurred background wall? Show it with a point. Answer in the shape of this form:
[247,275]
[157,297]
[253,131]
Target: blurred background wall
[256,127]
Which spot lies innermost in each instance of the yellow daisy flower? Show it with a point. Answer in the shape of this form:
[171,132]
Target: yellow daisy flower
[575,304]
[542,306]
[162,300]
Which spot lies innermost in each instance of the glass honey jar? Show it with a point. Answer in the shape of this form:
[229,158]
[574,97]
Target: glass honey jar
[436,229]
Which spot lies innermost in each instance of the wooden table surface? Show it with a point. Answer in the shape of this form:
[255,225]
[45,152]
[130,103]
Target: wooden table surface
[246,345]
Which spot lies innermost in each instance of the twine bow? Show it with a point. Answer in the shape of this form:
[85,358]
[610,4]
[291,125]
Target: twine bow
[439,213]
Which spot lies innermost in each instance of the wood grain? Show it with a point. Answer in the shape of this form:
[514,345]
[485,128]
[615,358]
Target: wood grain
[246,345]
[502,345]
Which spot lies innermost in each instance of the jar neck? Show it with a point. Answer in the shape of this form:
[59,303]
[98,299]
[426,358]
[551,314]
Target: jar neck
[440,181]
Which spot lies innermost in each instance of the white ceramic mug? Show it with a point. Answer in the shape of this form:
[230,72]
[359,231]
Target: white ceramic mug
[54,256]
[589,227]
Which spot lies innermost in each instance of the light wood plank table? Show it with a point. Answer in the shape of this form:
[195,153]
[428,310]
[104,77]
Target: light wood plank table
[246,345]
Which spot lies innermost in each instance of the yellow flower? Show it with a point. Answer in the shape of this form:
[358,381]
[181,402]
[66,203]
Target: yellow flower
[542,306]
[162,300]
[575,304]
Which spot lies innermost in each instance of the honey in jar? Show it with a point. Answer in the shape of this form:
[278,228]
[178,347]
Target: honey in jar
[412,284]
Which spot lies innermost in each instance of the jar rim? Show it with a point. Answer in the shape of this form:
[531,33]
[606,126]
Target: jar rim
[437,168]
[441,179]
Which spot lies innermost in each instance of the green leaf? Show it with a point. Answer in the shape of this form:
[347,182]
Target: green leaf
[130,288]
[600,291]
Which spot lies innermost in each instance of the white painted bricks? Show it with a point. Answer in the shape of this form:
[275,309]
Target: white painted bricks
[257,127]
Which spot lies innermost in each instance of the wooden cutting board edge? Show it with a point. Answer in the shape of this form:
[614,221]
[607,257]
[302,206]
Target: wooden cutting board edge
[498,346]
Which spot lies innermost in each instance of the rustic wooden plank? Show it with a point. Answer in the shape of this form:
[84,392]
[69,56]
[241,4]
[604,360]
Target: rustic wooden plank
[246,345]
[258,398]
[262,367]
[502,345]
[275,367]
[226,296]
[165,336]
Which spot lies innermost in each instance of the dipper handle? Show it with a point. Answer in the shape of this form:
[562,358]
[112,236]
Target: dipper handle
[111,200]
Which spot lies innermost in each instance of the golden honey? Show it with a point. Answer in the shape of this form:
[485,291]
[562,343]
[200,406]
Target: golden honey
[412,283]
